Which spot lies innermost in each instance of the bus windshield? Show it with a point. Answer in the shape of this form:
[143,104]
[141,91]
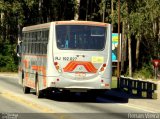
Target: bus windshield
[80,37]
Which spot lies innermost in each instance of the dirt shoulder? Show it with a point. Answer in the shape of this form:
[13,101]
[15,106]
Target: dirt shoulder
[9,74]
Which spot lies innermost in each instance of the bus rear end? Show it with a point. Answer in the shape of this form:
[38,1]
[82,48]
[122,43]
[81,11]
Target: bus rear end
[81,56]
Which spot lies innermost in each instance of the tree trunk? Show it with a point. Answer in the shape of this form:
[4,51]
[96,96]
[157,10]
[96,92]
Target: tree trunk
[130,56]
[40,11]
[19,33]
[130,52]
[123,55]
[104,9]
[112,12]
[137,50]
[159,37]
[3,26]
[2,20]
[76,16]
[87,10]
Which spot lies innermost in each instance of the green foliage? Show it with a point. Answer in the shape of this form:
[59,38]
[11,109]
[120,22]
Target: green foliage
[139,15]
[7,64]
[146,72]
[8,58]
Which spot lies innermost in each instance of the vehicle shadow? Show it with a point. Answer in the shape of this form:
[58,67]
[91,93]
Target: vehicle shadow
[107,97]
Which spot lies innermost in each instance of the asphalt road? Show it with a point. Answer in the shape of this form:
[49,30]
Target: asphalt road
[59,105]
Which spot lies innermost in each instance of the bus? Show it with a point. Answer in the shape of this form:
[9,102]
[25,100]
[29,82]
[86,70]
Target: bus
[65,55]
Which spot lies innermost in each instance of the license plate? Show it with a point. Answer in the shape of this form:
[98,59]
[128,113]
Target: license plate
[80,75]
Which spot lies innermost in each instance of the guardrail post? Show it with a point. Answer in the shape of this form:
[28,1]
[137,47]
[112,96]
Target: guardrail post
[149,90]
[154,87]
[129,86]
[139,88]
[144,86]
[122,83]
[139,85]
[134,84]
[125,83]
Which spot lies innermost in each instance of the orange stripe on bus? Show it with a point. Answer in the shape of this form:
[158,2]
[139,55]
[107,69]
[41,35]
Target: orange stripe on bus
[25,63]
[35,67]
[43,70]
[30,83]
[73,64]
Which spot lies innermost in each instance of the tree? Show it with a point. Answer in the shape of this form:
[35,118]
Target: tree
[77,10]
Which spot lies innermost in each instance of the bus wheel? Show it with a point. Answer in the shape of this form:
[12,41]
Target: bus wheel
[38,92]
[26,89]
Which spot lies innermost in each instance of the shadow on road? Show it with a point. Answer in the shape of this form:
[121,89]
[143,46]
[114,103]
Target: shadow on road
[110,96]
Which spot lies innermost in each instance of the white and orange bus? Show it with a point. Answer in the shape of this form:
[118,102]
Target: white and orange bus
[66,55]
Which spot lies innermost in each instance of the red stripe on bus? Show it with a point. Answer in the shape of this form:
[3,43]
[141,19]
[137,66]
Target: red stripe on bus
[73,64]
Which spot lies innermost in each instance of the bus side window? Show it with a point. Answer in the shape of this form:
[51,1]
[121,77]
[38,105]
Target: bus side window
[33,43]
[35,47]
[23,39]
[38,36]
[26,44]
[42,42]
[45,42]
[37,41]
[30,42]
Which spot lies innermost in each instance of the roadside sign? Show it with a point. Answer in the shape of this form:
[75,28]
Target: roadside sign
[156,63]
[115,46]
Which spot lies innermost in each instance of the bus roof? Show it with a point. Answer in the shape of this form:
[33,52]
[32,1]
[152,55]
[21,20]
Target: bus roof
[36,27]
[72,22]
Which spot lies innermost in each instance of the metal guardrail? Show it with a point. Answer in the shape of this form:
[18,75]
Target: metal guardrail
[140,86]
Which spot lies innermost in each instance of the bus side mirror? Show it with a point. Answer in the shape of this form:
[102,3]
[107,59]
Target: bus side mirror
[19,50]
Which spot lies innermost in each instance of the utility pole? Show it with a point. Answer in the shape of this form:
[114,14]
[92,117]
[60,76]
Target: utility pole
[112,13]
[104,9]
[118,50]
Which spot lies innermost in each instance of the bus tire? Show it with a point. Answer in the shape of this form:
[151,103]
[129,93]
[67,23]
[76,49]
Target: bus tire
[26,90]
[39,93]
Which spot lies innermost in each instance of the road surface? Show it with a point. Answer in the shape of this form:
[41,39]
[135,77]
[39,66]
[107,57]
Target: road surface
[62,106]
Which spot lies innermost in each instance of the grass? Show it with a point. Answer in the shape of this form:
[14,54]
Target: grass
[114,82]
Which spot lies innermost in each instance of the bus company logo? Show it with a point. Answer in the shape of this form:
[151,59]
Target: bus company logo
[80,68]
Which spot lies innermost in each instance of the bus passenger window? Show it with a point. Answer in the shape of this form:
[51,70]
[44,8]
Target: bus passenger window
[66,43]
[59,43]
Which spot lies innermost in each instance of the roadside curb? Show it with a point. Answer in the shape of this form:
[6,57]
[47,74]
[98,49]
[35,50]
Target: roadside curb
[8,74]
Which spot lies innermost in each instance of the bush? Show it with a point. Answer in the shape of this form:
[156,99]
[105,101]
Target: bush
[146,72]
[8,59]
